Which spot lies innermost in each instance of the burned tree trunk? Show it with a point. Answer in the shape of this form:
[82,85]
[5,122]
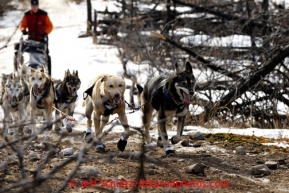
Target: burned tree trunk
[89,17]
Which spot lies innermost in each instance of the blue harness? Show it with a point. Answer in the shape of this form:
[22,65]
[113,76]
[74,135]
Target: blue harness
[172,104]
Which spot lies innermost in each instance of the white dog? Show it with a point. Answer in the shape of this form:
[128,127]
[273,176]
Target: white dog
[14,102]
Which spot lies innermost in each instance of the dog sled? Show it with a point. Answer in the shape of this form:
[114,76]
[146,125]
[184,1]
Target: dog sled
[32,54]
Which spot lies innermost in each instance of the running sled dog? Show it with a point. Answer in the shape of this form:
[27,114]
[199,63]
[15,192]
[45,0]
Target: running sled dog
[170,97]
[4,79]
[104,97]
[66,96]
[14,101]
[41,97]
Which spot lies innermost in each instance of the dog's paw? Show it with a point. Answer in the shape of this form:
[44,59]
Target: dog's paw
[69,127]
[174,140]
[10,131]
[88,138]
[100,148]
[150,145]
[160,142]
[121,144]
[46,136]
[169,151]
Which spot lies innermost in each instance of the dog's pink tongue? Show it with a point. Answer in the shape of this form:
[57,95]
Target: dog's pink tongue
[186,98]
[73,93]
[118,101]
[35,90]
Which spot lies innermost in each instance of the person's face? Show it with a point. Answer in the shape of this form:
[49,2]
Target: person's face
[34,8]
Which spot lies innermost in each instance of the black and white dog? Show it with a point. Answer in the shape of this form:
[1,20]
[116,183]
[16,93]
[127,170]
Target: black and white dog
[170,97]
[66,96]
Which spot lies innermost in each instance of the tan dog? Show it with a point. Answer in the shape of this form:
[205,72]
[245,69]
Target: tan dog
[106,97]
[41,96]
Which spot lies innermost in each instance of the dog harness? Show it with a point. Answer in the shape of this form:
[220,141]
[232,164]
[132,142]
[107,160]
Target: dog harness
[45,94]
[108,107]
[171,103]
[88,92]
[19,98]
[62,94]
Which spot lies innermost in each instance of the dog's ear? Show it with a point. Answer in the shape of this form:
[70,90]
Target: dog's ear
[121,75]
[104,78]
[23,70]
[76,73]
[189,68]
[4,76]
[68,73]
[32,70]
[42,69]
[22,79]
[11,76]
[177,69]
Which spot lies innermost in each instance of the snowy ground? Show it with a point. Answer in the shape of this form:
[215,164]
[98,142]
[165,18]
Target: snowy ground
[69,52]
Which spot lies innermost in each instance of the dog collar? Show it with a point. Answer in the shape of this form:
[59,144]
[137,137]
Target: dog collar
[13,106]
[19,98]
[170,97]
[61,95]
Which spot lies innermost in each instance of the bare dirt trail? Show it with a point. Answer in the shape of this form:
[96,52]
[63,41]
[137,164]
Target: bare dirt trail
[223,171]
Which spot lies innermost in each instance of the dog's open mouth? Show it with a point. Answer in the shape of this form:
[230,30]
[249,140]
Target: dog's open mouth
[117,101]
[186,97]
[14,100]
[73,92]
[35,90]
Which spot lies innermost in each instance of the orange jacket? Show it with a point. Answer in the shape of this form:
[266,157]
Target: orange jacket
[37,24]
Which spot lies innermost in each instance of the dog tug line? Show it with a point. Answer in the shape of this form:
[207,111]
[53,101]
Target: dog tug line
[70,118]
[67,118]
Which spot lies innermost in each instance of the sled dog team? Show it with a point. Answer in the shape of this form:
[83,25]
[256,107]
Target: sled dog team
[34,93]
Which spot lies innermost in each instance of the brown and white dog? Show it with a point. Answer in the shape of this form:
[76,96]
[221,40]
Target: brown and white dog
[41,97]
[106,97]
